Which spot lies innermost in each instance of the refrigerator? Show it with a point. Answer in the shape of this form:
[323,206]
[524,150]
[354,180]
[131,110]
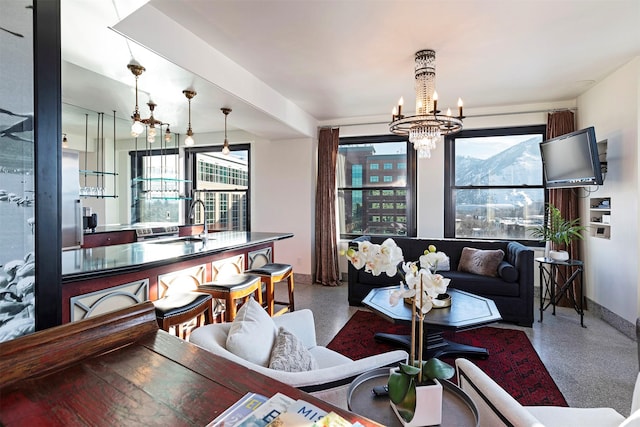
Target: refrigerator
[72,231]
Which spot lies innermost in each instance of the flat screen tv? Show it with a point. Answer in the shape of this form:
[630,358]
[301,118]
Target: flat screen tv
[571,160]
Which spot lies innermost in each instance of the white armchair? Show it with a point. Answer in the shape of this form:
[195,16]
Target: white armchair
[334,373]
[497,408]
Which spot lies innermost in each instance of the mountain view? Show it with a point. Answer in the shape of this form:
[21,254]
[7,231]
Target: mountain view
[503,212]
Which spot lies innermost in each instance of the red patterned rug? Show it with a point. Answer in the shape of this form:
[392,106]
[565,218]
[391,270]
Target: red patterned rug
[513,362]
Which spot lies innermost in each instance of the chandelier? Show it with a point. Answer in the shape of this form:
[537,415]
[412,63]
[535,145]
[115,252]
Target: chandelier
[427,125]
[138,125]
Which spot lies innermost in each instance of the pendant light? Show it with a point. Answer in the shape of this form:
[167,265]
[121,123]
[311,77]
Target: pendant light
[136,127]
[189,139]
[225,147]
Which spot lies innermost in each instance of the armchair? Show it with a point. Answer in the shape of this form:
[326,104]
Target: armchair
[335,371]
[497,408]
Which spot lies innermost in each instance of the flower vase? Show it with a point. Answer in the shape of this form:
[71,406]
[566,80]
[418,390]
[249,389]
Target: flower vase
[547,248]
[428,406]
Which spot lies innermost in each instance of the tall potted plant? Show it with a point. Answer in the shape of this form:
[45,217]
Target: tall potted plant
[558,232]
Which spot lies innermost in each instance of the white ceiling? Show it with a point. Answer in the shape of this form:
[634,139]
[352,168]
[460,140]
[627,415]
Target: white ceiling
[282,65]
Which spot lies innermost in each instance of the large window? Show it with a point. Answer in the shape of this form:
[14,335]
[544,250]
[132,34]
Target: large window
[372,202]
[221,181]
[494,183]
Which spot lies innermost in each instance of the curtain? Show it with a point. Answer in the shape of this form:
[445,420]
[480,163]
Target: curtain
[565,199]
[327,272]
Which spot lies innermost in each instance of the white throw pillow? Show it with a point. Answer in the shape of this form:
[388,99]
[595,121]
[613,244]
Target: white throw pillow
[289,354]
[252,334]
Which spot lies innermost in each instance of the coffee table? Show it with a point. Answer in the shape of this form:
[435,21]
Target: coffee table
[467,311]
[457,407]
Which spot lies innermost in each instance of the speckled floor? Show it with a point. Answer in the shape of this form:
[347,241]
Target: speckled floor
[594,366]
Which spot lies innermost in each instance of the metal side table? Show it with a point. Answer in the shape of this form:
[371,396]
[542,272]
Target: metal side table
[557,279]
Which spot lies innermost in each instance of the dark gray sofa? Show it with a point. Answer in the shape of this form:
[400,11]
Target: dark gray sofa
[514,299]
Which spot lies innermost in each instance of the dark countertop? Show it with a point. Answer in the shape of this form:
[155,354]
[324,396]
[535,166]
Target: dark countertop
[110,228]
[80,264]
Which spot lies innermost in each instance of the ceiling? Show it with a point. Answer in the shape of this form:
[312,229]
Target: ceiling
[285,67]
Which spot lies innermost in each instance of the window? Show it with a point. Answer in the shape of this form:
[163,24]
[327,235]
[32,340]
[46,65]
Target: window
[494,185]
[155,187]
[367,205]
[222,183]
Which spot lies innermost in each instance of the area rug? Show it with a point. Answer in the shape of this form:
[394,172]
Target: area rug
[513,362]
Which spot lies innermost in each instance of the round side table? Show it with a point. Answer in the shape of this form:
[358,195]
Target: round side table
[457,407]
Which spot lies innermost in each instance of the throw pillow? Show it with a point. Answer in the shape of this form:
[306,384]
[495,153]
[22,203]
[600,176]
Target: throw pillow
[482,262]
[508,272]
[252,334]
[289,354]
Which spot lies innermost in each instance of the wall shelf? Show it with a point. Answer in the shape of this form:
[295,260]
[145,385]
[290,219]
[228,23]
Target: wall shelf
[600,217]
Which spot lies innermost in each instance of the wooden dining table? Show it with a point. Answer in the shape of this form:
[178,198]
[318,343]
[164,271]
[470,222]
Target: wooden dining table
[119,369]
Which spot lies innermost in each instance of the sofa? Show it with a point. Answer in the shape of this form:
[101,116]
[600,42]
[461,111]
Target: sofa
[511,288]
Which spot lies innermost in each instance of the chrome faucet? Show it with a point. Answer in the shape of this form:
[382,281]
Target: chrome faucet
[205,232]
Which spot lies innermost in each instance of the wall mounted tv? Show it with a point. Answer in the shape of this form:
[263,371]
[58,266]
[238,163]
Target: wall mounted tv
[571,160]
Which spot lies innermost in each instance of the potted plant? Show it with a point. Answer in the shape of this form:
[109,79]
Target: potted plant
[416,381]
[558,232]
[410,384]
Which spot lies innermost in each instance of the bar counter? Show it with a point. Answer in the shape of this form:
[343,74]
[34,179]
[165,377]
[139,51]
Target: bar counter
[105,278]
[80,264]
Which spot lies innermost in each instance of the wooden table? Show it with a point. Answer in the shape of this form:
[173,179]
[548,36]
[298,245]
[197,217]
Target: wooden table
[120,369]
[467,311]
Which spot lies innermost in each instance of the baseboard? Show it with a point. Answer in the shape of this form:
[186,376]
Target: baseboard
[620,324]
[617,322]
[303,279]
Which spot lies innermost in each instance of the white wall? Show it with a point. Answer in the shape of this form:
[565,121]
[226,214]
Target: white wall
[283,197]
[612,274]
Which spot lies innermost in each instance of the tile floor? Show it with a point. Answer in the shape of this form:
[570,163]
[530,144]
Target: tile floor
[594,366]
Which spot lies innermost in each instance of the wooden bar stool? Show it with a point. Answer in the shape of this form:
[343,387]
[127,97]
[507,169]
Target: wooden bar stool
[175,310]
[233,289]
[271,274]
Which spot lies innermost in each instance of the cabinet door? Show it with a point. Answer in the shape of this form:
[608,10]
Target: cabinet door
[106,300]
[259,257]
[227,267]
[184,280]
[107,239]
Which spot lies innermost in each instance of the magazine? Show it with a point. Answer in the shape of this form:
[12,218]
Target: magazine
[267,412]
[239,410]
[299,414]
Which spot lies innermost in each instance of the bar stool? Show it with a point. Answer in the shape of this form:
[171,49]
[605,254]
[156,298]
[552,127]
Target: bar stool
[271,274]
[232,289]
[175,310]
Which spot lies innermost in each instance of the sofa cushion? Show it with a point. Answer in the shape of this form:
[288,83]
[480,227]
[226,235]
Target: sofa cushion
[481,285]
[252,334]
[482,262]
[508,272]
[289,354]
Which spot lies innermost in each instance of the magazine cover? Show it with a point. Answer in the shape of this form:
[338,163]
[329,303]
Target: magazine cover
[239,410]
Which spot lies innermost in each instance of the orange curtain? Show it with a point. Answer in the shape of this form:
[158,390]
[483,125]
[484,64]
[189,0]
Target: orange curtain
[327,272]
[565,199]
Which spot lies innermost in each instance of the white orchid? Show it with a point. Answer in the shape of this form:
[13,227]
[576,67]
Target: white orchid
[416,279]
[433,260]
[376,259]
[384,258]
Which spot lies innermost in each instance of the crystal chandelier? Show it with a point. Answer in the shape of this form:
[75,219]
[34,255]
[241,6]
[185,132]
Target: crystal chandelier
[427,126]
